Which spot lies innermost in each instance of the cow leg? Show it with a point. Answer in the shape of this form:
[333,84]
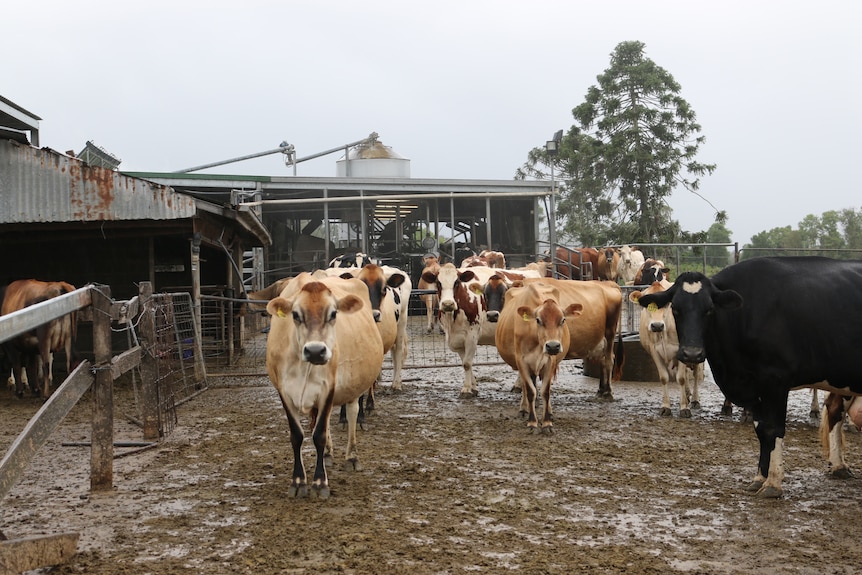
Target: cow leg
[682,380]
[351,455]
[298,486]
[832,434]
[321,439]
[696,377]
[814,412]
[528,400]
[547,414]
[399,353]
[770,416]
[727,407]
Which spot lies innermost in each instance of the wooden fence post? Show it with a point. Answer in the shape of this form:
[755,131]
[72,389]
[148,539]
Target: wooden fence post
[102,450]
[149,372]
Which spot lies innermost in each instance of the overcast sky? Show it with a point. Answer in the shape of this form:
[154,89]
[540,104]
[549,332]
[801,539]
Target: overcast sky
[464,89]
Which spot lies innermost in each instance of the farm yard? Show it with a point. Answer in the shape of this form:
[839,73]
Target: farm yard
[446,485]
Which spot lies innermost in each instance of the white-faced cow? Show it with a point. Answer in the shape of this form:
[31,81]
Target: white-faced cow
[533,337]
[323,350]
[592,335]
[463,312]
[769,325]
[35,351]
[631,260]
[658,337]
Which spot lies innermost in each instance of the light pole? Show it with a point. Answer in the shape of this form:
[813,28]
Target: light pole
[552,147]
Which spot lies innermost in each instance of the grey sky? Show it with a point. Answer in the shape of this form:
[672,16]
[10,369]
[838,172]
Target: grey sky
[463,89]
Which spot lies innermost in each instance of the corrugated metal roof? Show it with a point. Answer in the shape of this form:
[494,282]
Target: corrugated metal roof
[42,185]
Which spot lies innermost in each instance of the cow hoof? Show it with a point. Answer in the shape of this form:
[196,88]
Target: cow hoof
[604,396]
[685,413]
[728,411]
[532,429]
[352,465]
[814,414]
[770,492]
[547,430]
[465,395]
[320,492]
[665,412]
[515,389]
[695,405]
[298,491]
[754,486]
[842,473]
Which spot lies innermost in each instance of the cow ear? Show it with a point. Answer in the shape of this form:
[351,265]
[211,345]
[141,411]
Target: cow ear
[727,300]
[349,304]
[659,299]
[395,280]
[279,307]
[526,313]
[476,288]
[466,276]
[346,276]
[574,310]
[429,277]
[635,296]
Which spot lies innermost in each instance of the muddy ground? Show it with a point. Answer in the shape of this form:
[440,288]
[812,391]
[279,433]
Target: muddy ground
[446,486]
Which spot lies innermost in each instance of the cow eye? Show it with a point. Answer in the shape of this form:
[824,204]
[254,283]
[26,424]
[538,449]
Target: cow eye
[296,317]
[332,315]
[539,321]
[562,321]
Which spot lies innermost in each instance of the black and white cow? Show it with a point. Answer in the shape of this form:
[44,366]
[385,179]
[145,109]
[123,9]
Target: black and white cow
[767,326]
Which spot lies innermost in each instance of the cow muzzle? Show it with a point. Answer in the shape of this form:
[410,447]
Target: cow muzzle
[656,326]
[492,316]
[377,315]
[691,356]
[447,306]
[553,347]
[316,353]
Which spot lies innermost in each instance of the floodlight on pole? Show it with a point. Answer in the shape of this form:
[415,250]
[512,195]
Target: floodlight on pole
[552,147]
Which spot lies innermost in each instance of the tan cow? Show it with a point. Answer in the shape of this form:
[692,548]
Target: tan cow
[631,260]
[592,335]
[431,264]
[659,338]
[533,337]
[35,351]
[323,350]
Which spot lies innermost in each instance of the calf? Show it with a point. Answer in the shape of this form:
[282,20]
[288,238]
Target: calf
[658,337]
[323,350]
[533,337]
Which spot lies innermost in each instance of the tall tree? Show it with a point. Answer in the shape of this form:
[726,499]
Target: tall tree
[637,140]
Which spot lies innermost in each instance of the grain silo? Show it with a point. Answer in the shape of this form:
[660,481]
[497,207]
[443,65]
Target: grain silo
[372,159]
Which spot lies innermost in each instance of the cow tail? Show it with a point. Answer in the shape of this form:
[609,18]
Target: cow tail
[619,358]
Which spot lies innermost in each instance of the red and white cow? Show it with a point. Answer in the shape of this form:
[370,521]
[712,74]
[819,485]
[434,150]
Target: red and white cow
[35,351]
[835,409]
[631,260]
[323,350]
[463,312]
[533,337]
[658,337]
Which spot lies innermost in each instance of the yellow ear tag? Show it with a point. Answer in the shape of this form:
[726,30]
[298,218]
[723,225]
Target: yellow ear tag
[280,313]
[526,317]
[652,307]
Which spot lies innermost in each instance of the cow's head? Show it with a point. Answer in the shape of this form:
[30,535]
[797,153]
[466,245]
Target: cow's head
[550,323]
[654,316]
[452,283]
[313,311]
[652,271]
[379,287]
[695,301]
[495,296]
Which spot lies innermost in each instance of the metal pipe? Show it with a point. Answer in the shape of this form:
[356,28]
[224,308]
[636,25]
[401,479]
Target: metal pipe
[284,148]
[443,195]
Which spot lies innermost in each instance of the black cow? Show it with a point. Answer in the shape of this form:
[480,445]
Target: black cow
[769,325]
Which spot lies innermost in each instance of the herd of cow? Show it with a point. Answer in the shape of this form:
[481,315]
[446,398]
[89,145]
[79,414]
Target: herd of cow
[766,326]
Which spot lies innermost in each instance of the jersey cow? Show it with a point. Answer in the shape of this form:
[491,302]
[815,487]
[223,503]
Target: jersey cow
[35,351]
[607,264]
[323,350]
[576,264]
[658,337]
[431,264]
[769,325]
[592,335]
[533,337]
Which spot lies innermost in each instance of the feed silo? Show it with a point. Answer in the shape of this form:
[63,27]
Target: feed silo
[372,160]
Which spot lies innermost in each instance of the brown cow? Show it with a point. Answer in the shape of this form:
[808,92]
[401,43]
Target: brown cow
[576,264]
[432,265]
[35,351]
[323,350]
[533,337]
[607,263]
[592,335]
